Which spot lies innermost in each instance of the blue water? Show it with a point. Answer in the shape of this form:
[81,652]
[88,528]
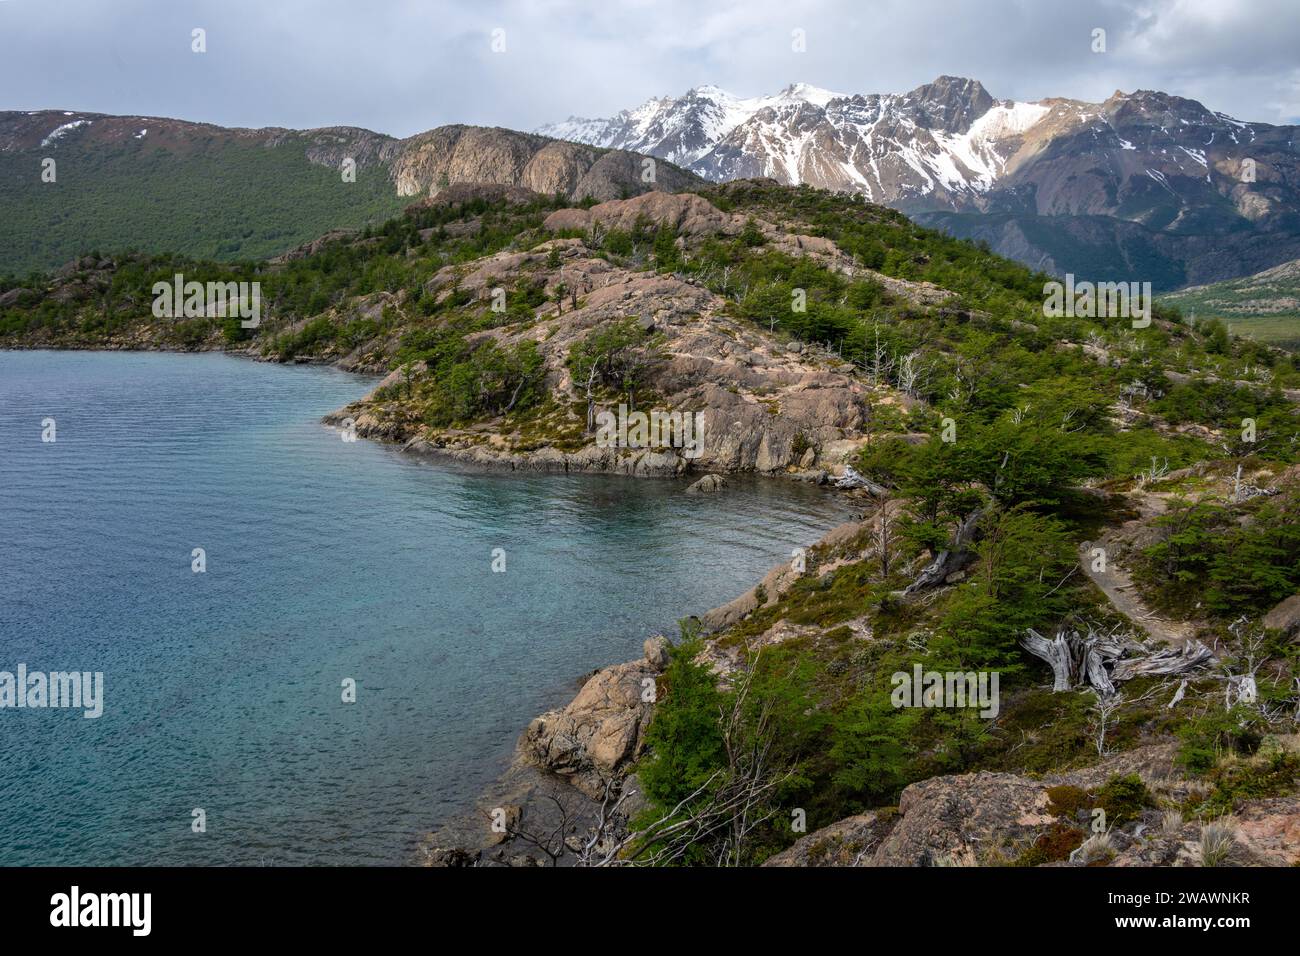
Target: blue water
[326,560]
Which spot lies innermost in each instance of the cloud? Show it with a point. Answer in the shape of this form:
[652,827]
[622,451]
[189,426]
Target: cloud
[401,66]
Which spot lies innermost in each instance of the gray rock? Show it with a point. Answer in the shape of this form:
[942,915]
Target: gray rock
[707,485]
[656,651]
[1285,616]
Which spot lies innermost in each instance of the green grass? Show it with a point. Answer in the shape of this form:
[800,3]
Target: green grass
[1280,330]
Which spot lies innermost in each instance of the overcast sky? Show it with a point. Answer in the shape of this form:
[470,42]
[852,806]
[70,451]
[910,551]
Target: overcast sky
[401,66]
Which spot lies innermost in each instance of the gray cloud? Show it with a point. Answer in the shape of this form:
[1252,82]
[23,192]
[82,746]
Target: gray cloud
[400,66]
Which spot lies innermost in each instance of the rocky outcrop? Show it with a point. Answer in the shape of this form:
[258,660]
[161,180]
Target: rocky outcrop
[758,406]
[685,215]
[314,246]
[835,546]
[594,737]
[995,818]
[958,820]
[845,843]
[692,216]
[1261,833]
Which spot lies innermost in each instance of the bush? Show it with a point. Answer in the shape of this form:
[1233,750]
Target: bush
[1124,798]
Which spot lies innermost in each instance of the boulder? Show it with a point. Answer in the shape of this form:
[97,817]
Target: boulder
[707,485]
[656,651]
[600,731]
[1285,616]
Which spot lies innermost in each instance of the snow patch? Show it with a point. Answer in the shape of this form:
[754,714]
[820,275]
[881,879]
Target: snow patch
[60,131]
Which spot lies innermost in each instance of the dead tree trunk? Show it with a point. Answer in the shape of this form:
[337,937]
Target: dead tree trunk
[952,558]
[853,479]
[1101,661]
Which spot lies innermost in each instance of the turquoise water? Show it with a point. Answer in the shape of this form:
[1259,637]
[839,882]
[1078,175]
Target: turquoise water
[326,560]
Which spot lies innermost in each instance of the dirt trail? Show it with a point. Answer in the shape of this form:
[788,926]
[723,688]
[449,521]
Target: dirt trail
[1117,584]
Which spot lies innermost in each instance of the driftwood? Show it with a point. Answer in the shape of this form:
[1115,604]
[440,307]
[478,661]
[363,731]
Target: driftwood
[1102,661]
[853,479]
[952,558]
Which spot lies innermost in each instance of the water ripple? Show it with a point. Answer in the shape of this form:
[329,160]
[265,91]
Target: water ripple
[325,560]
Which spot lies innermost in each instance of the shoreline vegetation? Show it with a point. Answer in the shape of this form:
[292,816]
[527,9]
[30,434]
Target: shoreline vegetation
[1105,515]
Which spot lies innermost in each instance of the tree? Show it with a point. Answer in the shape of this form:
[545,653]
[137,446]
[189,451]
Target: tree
[618,355]
[668,257]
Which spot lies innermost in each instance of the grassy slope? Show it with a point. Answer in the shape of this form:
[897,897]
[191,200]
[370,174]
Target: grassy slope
[1265,307]
[220,200]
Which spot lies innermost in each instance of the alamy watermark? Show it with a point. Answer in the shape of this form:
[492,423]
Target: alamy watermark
[129,910]
[1090,300]
[81,690]
[198,300]
[951,689]
[653,429]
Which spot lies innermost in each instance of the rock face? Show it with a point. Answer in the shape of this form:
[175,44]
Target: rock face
[430,161]
[592,739]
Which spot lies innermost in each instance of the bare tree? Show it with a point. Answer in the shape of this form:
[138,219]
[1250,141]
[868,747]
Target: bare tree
[719,816]
[910,373]
[1103,718]
[1102,660]
[884,536]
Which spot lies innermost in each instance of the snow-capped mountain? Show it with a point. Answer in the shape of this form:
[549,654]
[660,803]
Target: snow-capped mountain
[683,129]
[949,145]
[1168,172]
[948,139]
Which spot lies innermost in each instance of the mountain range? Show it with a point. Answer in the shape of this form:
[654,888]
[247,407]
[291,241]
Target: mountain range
[155,185]
[1145,185]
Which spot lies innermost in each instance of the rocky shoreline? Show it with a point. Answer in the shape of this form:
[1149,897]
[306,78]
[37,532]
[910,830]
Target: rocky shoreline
[573,760]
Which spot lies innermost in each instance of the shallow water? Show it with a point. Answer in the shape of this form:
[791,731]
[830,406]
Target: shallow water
[325,560]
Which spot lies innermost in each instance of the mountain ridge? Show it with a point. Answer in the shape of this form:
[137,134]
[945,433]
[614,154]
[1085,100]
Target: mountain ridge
[167,185]
[1169,166]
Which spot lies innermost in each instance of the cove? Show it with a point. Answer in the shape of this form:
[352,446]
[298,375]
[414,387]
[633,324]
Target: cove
[325,561]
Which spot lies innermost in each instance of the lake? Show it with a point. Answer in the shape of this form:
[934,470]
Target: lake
[324,561]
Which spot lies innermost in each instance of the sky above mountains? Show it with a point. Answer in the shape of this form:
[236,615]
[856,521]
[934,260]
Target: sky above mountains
[402,66]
